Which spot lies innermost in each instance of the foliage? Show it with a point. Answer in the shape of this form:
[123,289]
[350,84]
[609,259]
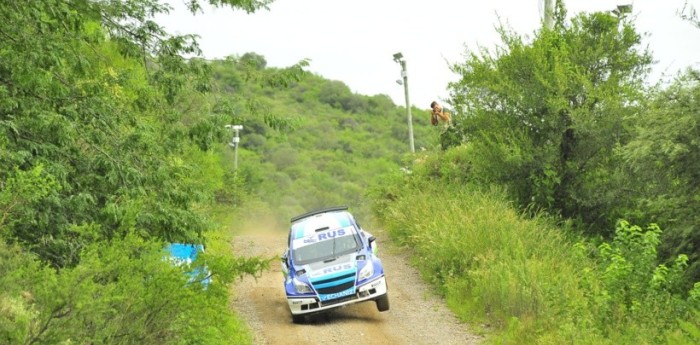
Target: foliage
[106,154]
[450,137]
[545,116]
[687,334]
[635,290]
[663,157]
[562,125]
[527,280]
[22,188]
[75,103]
[332,144]
[566,125]
[122,292]
[113,144]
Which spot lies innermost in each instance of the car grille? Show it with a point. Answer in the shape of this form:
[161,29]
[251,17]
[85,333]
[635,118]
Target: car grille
[339,300]
[335,284]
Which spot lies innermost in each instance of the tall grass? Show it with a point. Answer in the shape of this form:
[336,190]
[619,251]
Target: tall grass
[489,263]
[522,279]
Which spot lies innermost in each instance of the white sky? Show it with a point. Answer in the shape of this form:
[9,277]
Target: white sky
[353,41]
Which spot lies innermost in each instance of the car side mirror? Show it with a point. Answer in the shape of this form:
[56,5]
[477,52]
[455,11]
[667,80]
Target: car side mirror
[372,244]
[285,265]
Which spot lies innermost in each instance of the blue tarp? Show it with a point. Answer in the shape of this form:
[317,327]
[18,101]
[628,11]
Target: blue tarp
[185,253]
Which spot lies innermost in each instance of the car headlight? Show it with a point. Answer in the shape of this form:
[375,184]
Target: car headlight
[367,271]
[301,287]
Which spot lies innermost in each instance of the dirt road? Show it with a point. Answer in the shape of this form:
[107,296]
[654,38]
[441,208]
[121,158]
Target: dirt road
[416,315]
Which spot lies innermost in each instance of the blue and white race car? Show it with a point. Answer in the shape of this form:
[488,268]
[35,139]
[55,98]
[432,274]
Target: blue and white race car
[331,262]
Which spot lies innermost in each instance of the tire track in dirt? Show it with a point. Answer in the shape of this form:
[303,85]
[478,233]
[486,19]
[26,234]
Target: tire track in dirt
[416,315]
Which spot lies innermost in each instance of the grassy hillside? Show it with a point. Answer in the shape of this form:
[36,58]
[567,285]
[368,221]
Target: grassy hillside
[323,146]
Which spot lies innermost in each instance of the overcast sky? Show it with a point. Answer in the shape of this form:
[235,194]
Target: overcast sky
[353,41]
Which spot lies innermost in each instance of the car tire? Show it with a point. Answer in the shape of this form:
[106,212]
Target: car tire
[298,318]
[383,303]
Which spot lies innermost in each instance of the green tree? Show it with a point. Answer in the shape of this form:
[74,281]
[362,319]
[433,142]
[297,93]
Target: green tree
[664,159]
[89,91]
[545,117]
[254,60]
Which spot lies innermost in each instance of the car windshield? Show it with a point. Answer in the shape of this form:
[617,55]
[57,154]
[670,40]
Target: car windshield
[325,250]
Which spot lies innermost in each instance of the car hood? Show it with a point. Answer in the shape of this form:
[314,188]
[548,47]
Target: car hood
[333,279]
[330,267]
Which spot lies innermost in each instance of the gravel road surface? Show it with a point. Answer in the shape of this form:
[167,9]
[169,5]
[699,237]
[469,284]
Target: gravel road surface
[416,316]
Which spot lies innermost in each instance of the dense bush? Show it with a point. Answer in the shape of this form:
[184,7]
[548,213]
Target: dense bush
[584,140]
[524,277]
[121,292]
[545,116]
[102,163]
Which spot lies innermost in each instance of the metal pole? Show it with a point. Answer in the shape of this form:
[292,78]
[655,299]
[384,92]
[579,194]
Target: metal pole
[408,104]
[549,13]
[234,143]
[235,154]
[236,140]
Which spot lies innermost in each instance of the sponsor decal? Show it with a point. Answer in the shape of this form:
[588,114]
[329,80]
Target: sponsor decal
[336,268]
[322,236]
[331,296]
[331,234]
[332,219]
[332,269]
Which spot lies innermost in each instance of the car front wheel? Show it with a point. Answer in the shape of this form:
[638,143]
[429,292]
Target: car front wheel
[298,318]
[383,302]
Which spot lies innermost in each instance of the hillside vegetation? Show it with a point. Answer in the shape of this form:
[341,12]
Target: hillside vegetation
[565,210]
[102,164]
[114,145]
[322,145]
[561,207]
[524,278]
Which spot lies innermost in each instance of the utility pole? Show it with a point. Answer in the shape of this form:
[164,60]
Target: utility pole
[398,57]
[234,143]
[549,13]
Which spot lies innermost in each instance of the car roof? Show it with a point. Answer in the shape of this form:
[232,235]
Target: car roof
[322,236]
[318,211]
[328,220]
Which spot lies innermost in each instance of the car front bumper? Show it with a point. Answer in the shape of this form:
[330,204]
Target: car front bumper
[365,292]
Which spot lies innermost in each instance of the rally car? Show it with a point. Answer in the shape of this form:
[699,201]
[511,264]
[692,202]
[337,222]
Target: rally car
[331,262]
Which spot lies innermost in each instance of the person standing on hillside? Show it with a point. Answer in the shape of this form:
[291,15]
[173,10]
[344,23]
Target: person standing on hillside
[449,135]
[438,115]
